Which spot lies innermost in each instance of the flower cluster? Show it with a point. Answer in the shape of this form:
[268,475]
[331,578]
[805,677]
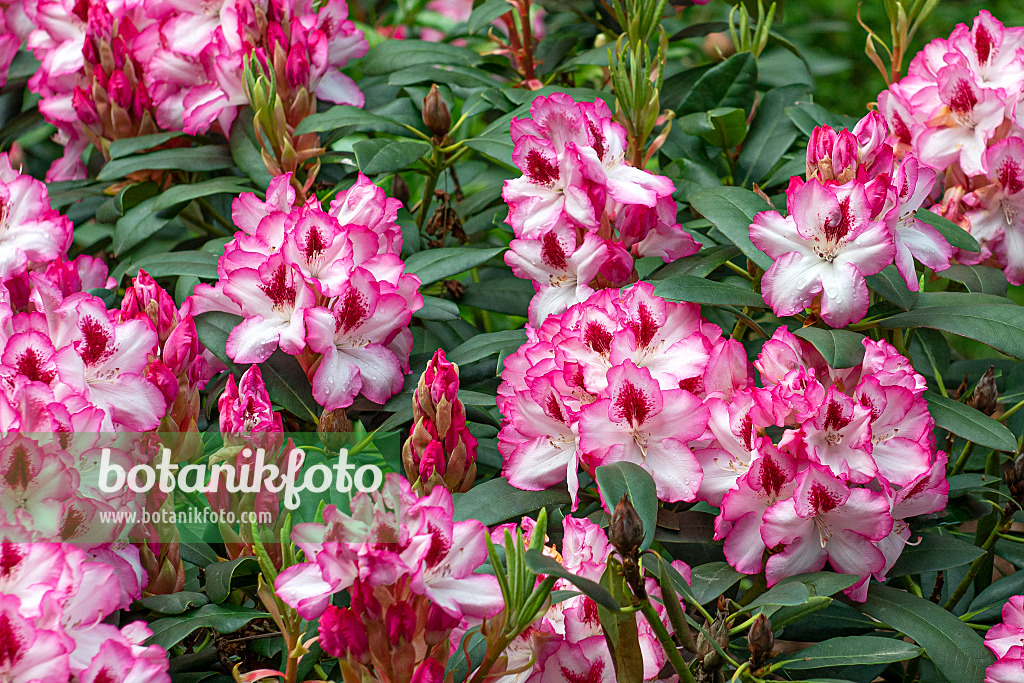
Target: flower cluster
[327,287]
[1006,640]
[957,110]
[440,449]
[567,643]
[580,213]
[853,216]
[54,602]
[32,233]
[112,70]
[409,570]
[647,381]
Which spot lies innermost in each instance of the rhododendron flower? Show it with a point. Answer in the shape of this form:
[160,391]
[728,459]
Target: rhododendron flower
[31,232]
[826,520]
[998,216]
[826,246]
[245,408]
[1005,641]
[915,239]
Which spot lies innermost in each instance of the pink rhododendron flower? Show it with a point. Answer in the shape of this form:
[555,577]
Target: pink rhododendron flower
[31,233]
[825,247]
[914,239]
[245,408]
[998,213]
[1004,639]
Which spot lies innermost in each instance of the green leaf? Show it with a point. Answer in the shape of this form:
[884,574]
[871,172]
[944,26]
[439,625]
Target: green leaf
[448,74]
[392,55]
[342,115]
[126,146]
[485,13]
[497,149]
[989,603]
[496,500]
[702,291]
[724,127]
[708,581]
[771,135]
[627,478]
[128,198]
[700,264]
[841,348]
[140,223]
[205,158]
[731,210]
[954,234]
[729,84]
[172,603]
[782,595]
[435,308]
[286,382]
[822,583]
[432,265]
[971,424]
[955,648]
[382,155]
[852,651]
[198,263]
[508,295]
[935,551]
[889,283]
[220,574]
[170,631]
[667,579]
[808,115]
[485,345]
[245,150]
[540,563]
[983,279]
[620,630]
[1001,326]
[180,194]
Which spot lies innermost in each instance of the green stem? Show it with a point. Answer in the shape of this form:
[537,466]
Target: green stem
[666,642]
[972,571]
[1010,413]
[428,188]
[739,271]
[961,462]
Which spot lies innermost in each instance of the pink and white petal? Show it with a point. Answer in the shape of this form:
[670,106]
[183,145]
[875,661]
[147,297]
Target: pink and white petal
[792,282]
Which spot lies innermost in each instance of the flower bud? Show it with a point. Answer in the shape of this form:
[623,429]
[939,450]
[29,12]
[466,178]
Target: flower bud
[400,622]
[342,634]
[760,641]
[627,529]
[986,396]
[436,116]
[1013,474]
[334,429]
[245,408]
[400,189]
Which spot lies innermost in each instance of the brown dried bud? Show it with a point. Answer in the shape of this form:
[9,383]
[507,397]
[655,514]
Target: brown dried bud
[707,655]
[986,395]
[400,189]
[1013,474]
[627,529]
[334,429]
[436,116]
[760,641]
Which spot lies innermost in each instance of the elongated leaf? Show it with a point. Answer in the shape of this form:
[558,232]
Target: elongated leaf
[702,291]
[183,193]
[667,581]
[971,424]
[437,264]
[889,283]
[488,344]
[485,13]
[221,618]
[700,264]
[196,263]
[172,603]
[956,649]
[498,149]
[731,210]
[954,234]
[852,651]
[999,326]
[245,151]
[448,74]
[708,581]
[392,55]
[935,551]
[343,115]
[770,136]
[808,115]
[496,500]
[435,308]
[841,348]
[989,602]
[206,158]
[620,630]
[983,279]
[386,156]
[126,146]
[507,295]
[140,223]
[549,566]
[626,478]
[729,84]
[219,576]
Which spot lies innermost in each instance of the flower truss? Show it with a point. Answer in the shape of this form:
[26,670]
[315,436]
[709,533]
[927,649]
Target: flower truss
[853,216]
[642,380]
[580,213]
[1006,640]
[54,600]
[111,70]
[328,287]
[409,569]
[957,111]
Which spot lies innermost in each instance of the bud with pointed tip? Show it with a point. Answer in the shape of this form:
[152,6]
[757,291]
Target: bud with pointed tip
[627,529]
[436,116]
[760,641]
[986,396]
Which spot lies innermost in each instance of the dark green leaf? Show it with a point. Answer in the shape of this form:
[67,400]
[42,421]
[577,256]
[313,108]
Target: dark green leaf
[448,74]
[620,630]
[475,648]
[731,210]
[889,283]
[935,551]
[667,580]
[729,84]
[435,308]
[852,651]
[485,13]
[784,594]
[220,574]
[221,618]
[771,134]
[708,581]
[485,345]
[343,115]
[437,264]
[999,326]
[507,295]
[724,127]
[841,348]
[382,155]
[197,263]
[807,116]
[956,649]
[702,291]
[954,234]
[540,563]
[984,279]
[138,224]
[989,602]
[246,151]
[498,149]
[392,55]
[172,603]
[126,146]
[822,583]
[180,194]
[496,500]
[700,264]
[971,424]
[626,478]
[206,158]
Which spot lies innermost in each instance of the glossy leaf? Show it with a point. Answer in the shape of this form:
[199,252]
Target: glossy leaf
[771,135]
[221,618]
[496,501]
[437,264]
[954,234]
[971,424]
[999,326]
[933,552]
[540,563]
[382,155]
[841,348]
[852,651]
[702,291]
[731,210]
[626,478]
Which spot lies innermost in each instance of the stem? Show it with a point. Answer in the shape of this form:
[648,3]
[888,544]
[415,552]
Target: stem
[972,571]
[428,189]
[666,642]
[488,663]
[1010,413]
[961,461]
[739,271]
[743,667]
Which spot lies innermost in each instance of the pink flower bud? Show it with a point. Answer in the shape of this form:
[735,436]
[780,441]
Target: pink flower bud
[245,408]
[400,622]
[430,671]
[164,378]
[145,298]
[342,634]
